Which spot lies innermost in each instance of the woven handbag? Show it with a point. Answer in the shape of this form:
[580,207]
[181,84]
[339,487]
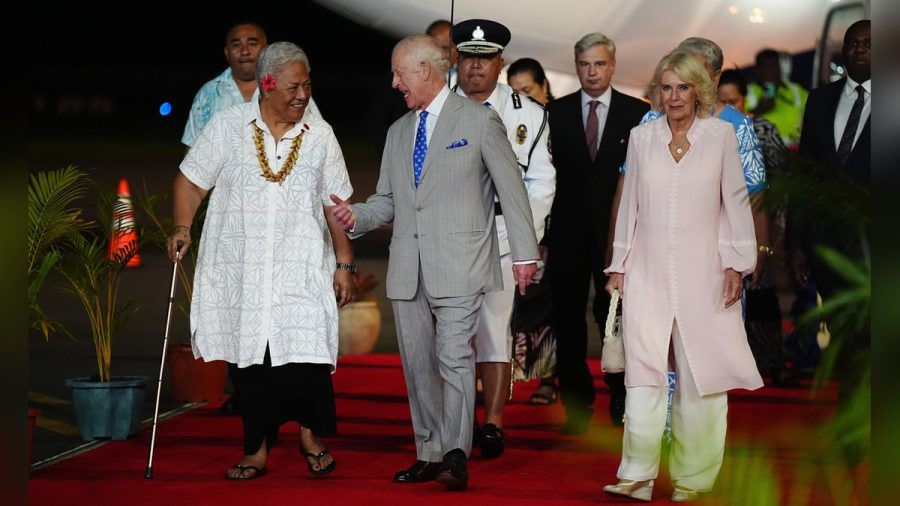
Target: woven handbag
[612,358]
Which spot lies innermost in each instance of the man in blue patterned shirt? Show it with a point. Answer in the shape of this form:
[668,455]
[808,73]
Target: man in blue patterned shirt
[748,145]
[236,85]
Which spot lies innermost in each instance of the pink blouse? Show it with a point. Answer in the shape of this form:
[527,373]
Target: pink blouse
[680,225]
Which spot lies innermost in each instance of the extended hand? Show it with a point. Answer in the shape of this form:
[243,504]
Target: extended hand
[616,282]
[342,213]
[731,291]
[343,287]
[523,274]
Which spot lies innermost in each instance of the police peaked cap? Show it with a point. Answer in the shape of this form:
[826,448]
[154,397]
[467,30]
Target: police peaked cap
[480,37]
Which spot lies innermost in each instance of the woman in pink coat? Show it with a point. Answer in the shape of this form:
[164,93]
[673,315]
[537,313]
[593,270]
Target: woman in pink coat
[684,239]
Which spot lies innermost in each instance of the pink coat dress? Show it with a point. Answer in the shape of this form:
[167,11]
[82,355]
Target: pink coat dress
[680,225]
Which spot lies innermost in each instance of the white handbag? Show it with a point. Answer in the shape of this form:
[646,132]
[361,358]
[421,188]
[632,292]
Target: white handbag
[612,358]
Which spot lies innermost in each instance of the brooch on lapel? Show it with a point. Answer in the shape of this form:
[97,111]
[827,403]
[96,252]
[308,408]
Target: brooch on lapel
[458,144]
[521,134]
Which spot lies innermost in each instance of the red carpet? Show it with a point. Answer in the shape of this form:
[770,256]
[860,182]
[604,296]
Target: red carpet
[771,452]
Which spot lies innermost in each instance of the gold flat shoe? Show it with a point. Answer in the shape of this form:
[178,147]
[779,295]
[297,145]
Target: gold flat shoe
[639,490]
[684,495]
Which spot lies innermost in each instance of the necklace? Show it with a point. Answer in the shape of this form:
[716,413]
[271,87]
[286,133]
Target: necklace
[678,149]
[264,162]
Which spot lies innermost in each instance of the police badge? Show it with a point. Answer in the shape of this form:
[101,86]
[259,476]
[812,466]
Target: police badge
[521,134]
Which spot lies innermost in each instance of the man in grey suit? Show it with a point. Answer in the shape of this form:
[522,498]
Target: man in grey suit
[442,164]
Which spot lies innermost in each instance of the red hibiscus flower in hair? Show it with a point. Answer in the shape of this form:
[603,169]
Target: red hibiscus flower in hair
[268,83]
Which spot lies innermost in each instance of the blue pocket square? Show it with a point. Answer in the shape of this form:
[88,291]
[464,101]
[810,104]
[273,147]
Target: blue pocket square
[458,144]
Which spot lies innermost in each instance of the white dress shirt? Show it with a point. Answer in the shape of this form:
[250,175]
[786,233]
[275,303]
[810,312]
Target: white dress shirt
[601,111]
[845,105]
[434,109]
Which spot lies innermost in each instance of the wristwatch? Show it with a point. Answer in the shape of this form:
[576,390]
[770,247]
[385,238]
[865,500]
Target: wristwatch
[347,267]
[766,249]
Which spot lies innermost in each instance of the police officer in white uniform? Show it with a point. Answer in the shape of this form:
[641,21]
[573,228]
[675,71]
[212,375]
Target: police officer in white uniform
[480,44]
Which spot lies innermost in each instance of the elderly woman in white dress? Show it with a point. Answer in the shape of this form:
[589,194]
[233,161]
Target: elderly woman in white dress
[684,239]
[271,271]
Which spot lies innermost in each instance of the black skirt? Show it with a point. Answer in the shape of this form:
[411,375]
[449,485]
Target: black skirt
[268,397]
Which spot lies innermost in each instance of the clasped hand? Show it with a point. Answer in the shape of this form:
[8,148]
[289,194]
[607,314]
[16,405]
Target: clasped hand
[342,213]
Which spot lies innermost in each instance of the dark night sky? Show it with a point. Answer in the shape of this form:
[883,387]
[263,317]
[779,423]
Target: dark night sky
[141,54]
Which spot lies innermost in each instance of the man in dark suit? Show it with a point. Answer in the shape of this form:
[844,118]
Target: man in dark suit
[589,132]
[837,133]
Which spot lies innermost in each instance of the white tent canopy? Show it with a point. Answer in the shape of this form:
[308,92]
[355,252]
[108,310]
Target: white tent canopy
[644,30]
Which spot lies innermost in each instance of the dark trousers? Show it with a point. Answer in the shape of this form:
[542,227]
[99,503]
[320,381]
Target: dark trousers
[571,272]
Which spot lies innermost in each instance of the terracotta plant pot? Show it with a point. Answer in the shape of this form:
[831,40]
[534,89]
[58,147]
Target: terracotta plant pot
[359,327]
[32,419]
[194,380]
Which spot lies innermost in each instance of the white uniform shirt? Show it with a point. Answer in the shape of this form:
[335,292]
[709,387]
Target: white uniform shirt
[266,264]
[540,178]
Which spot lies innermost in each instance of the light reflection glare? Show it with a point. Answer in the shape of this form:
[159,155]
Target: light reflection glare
[756,16]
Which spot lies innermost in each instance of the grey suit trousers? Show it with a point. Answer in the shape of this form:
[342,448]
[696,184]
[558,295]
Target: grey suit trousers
[435,337]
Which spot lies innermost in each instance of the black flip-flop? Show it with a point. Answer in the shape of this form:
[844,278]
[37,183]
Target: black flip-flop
[322,470]
[259,473]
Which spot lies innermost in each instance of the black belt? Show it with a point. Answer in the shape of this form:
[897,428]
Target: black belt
[497,209]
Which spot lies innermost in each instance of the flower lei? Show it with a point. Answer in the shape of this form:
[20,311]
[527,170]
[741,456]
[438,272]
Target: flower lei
[268,83]
[264,162]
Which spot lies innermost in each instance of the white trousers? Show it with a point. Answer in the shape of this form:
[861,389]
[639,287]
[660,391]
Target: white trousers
[493,340]
[698,429]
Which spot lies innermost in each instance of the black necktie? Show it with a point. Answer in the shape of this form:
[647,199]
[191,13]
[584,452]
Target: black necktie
[846,145]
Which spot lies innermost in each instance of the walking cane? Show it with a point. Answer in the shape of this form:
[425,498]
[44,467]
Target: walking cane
[162,363]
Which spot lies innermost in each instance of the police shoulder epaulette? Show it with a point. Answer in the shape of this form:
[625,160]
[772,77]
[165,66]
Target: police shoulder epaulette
[517,101]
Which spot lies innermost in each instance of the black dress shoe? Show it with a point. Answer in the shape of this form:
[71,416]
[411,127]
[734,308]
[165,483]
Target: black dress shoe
[577,422]
[490,441]
[454,474]
[617,411]
[420,472]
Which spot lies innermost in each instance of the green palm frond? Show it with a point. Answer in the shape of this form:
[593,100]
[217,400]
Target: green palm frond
[52,222]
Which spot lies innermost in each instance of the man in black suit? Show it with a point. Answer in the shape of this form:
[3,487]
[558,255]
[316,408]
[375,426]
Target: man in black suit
[589,132]
[837,133]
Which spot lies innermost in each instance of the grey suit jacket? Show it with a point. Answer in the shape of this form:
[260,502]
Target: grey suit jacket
[447,223]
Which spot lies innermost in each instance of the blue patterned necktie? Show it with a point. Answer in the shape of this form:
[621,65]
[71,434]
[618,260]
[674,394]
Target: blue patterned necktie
[487,104]
[421,147]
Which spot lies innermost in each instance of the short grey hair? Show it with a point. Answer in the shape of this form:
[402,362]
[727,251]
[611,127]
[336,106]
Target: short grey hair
[424,48]
[275,56]
[595,39]
[705,48]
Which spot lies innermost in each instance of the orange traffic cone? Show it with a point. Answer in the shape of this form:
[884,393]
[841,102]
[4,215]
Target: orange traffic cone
[124,237]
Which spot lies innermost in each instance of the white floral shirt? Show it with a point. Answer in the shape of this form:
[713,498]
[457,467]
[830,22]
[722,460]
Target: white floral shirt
[266,263]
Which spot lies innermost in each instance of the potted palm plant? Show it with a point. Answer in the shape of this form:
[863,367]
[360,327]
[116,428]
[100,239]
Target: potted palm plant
[359,322]
[51,220]
[106,406]
[192,379]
